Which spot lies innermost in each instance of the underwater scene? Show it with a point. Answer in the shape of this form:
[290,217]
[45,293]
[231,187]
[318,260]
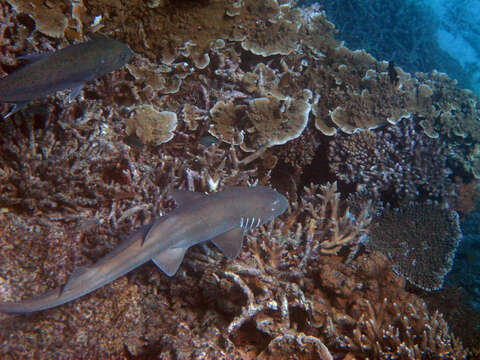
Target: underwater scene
[239,179]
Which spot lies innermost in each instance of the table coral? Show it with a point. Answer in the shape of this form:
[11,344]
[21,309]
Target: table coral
[420,240]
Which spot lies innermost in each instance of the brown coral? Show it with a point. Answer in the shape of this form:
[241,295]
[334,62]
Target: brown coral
[152,126]
[334,225]
[49,16]
[270,121]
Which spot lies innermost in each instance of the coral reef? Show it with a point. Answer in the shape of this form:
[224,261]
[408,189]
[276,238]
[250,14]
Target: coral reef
[398,159]
[420,240]
[455,305]
[400,31]
[257,96]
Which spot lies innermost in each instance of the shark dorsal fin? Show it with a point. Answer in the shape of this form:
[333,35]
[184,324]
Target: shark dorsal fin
[73,278]
[230,242]
[183,196]
[169,260]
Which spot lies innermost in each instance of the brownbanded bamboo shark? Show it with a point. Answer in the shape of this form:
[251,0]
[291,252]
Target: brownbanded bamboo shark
[68,68]
[221,217]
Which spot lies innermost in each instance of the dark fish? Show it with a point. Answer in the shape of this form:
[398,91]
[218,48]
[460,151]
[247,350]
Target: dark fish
[392,73]
[222,217]
[67,68]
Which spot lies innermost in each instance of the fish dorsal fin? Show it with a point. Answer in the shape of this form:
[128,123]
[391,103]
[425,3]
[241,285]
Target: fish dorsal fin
[169,260]
[183,196]
[230,242]
[74,276]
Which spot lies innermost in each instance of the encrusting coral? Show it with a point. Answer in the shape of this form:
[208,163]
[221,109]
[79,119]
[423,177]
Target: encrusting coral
[76,176]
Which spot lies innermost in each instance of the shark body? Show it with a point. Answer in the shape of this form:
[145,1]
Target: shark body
[67,68]
[222,217]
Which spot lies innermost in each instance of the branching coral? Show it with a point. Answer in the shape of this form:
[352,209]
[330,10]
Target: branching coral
[346,310]
[335,227]
[398,159]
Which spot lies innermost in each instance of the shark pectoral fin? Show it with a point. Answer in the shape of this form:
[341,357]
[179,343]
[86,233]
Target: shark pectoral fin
[230,242]
[16,108]
[75,92]
[169,260]
[183,196]
[72,279]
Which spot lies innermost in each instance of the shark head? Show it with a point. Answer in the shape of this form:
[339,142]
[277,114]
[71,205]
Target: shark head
[260,205]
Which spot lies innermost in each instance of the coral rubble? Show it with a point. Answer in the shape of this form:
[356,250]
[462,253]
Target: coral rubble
[264,94]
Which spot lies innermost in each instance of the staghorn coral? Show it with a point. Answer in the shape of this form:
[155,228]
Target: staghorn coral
[454,303]
[420,240]
[268,304]
[11,37]
[329,301]
[335,226]
[340,98]
[398,159]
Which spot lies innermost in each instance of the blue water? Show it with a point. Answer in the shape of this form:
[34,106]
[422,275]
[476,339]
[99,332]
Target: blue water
[417,35]
[466,269]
